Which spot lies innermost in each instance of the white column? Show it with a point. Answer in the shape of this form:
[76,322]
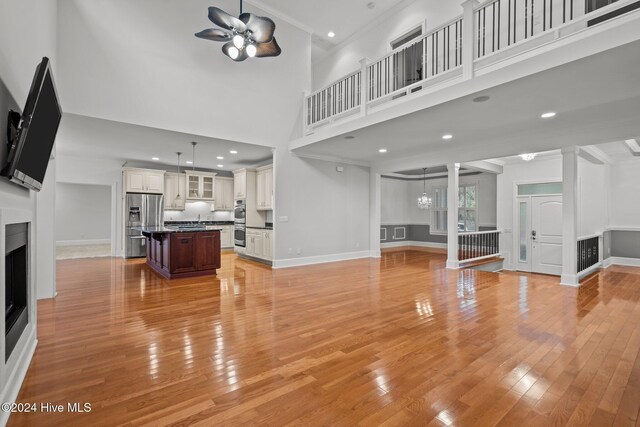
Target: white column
[305,112]
[570,216]
[374,214]
[452,215]
[364,85]
[469,33]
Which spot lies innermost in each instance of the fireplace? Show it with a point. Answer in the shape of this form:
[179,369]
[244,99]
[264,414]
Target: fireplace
[16,284]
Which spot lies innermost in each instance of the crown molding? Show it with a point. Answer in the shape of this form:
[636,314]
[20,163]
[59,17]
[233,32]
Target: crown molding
[281,15]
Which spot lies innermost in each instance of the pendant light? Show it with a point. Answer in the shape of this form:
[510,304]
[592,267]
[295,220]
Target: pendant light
[178,180]
[193,192]
[424,201]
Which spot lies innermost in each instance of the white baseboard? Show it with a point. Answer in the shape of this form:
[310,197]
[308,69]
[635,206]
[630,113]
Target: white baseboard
[83,242]
[616,260]
[413,243]
[16,378]
[320,259]
[570,280]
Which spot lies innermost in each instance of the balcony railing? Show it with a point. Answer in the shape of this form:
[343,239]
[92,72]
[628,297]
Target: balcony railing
[588,252]
[478,245]
[485,33]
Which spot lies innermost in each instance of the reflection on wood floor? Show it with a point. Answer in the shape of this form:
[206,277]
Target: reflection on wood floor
[399,340]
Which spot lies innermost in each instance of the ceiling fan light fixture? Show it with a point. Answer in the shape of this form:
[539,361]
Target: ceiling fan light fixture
[251,50]
[233,52]
[238,41]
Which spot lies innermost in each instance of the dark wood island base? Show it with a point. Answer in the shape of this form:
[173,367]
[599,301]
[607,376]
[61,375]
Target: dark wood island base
[176,254]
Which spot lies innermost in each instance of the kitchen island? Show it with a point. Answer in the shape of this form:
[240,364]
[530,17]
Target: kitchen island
[176,252]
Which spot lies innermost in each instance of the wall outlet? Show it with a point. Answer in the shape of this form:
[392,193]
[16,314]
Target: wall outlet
[283,219]
[298,251]
[339,169]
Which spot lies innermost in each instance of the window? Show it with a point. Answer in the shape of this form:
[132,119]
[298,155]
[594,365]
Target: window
[467,216]
[407,62]
[467,208]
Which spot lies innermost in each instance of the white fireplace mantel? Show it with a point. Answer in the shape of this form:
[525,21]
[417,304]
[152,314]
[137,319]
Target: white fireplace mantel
[14,370]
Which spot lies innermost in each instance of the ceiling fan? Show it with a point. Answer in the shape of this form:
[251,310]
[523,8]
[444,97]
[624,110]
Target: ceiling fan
[246,37]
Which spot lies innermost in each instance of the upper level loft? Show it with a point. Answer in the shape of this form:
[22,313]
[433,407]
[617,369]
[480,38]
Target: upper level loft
[432,67]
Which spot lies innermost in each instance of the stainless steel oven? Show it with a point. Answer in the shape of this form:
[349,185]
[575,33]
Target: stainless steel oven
[239,235]
[240,212]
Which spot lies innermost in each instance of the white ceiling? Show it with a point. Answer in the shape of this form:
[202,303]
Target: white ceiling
[83,136]
[342,17]
[597,100]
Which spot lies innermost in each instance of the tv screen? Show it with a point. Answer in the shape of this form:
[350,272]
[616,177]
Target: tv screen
[36,133]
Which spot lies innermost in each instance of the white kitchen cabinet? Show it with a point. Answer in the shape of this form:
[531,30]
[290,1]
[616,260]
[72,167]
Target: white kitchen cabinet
[200,186]
[254,240]
[226,236]
[264,190]
[259,244]
[143,180]
[267,245]
[240,184]
[174,185]
[224,194]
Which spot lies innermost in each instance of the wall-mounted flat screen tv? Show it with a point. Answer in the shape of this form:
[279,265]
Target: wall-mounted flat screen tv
[33,133]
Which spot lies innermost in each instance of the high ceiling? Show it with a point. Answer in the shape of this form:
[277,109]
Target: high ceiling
[344,18]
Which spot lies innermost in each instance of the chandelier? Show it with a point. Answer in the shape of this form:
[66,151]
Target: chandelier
[424,201]
[245,37]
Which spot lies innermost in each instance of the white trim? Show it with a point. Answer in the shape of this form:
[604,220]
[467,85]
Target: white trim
[436,245]
[329,159]
[83,242]
[570,280]
[319,259]
[422,25]
[281,15]
[616,260]
[15,380]
[622,229]
[588,271]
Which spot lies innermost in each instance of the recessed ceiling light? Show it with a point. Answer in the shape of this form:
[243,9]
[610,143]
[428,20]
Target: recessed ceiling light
[331,34]
[155,158]
[548,115]
[189,162]
[220,166]
[483,98]
[220,158]
[371,5]
[447,136]
[382,150]
[233,152]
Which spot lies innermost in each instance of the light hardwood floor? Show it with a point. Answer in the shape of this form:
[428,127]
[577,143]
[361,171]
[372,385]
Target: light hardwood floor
[396,341]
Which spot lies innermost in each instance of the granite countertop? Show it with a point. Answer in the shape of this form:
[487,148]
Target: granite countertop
[167,230]
[172,223]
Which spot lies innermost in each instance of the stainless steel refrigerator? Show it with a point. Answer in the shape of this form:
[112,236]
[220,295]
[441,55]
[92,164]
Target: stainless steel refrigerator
[141,210]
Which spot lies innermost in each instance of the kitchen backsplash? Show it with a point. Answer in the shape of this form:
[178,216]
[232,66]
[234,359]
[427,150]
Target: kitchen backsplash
[193,209]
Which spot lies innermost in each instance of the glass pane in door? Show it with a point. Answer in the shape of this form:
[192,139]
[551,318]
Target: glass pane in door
[523,218]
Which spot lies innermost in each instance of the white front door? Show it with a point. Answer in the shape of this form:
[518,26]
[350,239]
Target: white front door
[540,234]
[546,234]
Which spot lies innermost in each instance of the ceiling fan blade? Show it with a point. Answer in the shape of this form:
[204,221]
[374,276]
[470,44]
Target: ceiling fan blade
[224,20]
[215,35]
[242,55]
[261,28]
[268,49]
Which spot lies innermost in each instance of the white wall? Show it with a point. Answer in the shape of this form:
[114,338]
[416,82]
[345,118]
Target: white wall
[399,199]
[327,211]
[139,62]
[624,196]
[83,213]
[86,170]
[28,33]
[592,198]
[539,170]
[373,43]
